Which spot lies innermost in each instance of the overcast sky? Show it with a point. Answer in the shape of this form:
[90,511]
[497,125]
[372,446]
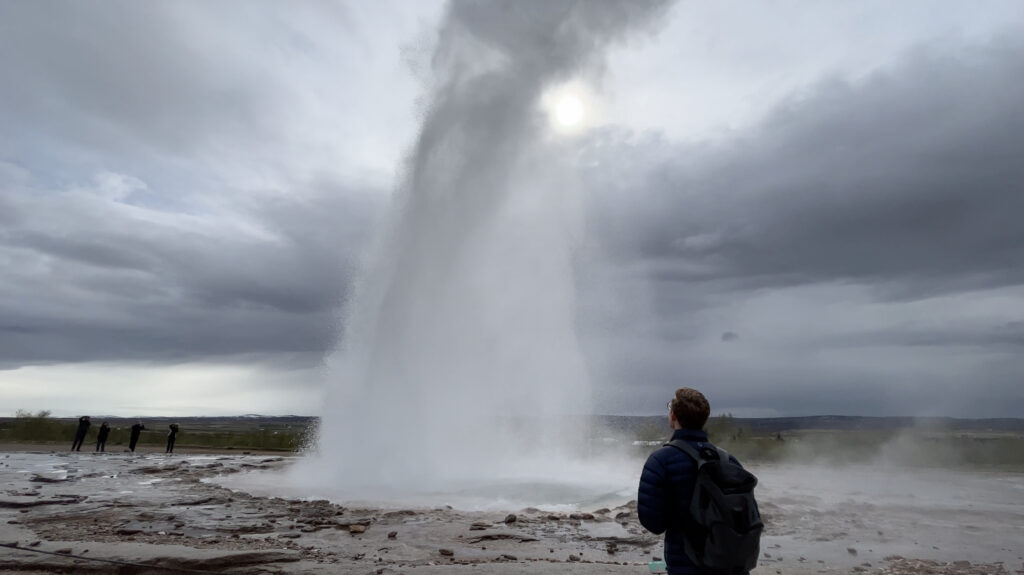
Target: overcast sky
[798,207]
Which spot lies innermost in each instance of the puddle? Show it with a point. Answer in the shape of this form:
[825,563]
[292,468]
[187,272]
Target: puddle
[605,530]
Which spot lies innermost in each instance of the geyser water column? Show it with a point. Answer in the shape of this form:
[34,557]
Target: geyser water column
[460,359]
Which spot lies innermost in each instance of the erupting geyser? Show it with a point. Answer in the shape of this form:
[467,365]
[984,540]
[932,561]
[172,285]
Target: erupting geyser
[460,363]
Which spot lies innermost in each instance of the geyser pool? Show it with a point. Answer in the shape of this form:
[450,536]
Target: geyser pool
[566,486]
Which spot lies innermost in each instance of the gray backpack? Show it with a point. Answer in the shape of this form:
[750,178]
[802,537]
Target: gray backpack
[723,535]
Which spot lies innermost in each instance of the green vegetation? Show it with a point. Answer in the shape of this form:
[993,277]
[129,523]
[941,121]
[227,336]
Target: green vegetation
[903,447]
[37,426]
[925,445]
[222,433]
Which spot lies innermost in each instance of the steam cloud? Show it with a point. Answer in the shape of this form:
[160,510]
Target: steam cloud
[465,313]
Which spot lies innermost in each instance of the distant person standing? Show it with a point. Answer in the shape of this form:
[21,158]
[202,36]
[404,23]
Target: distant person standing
[83,428]
[101,439]
[136,432]
[171,437]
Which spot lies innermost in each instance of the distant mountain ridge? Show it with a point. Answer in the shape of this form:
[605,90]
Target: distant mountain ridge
[629,423]
[753,424]
[835,423]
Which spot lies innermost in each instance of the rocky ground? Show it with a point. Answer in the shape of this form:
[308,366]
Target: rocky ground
[87,513]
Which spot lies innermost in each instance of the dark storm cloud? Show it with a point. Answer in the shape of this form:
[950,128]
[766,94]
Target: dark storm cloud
[910,180]
[119,74]
[1000,337]
[96,281]
[903,188]
[220,250]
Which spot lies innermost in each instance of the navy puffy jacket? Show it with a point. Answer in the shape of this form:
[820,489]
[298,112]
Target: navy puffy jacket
[666,487]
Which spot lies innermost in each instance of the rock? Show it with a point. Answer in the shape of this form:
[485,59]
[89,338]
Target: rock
[64,551]
[44,479]
[497,536]
[289,535]
[851,550]
[479,526]
[574,558]
[611,547]
[510,518]
[553,517]
[446,552]
[392,534]
[405,512]
[508,557]
[355,528]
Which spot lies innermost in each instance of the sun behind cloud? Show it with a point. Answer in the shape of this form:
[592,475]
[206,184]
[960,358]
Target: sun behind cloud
[569,111]
[570,107]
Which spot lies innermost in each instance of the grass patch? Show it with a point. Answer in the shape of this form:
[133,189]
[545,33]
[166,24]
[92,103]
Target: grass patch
[920,446]
[41,428]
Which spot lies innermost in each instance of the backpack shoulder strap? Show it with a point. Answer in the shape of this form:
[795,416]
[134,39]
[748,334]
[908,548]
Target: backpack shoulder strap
[685,447]
[688,449]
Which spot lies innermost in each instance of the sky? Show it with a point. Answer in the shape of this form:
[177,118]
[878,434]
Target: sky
[798,207]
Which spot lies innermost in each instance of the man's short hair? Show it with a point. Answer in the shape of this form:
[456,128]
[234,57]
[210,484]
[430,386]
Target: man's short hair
[691,408]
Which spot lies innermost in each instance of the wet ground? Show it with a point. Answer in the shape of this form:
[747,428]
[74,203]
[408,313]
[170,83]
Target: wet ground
[163,514]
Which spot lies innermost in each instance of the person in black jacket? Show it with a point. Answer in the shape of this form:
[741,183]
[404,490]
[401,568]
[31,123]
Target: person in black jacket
[134,438]
[171,437]
[101,439]
[83,428]
[669,477]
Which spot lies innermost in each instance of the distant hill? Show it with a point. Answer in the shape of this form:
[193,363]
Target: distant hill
[633,423]
[624,424]
[230,423]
